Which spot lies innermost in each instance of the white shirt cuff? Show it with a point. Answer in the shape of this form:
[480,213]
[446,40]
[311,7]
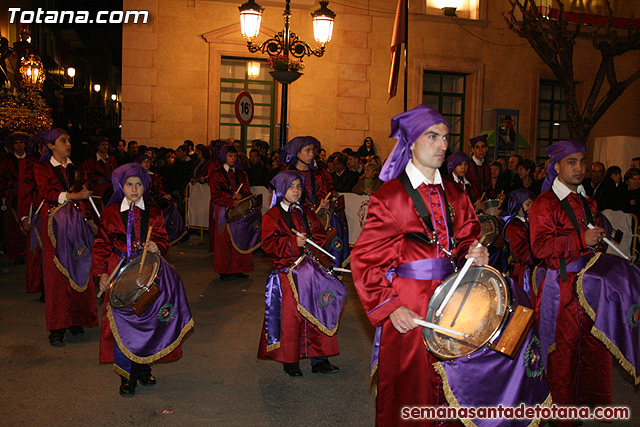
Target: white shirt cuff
[62,197]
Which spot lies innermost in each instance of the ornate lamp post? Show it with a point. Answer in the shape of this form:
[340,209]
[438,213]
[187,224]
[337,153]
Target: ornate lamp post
[287,44]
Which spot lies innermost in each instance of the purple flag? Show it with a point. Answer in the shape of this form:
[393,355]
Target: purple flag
[72,239]
[173,222]
[160,329]
[245,233]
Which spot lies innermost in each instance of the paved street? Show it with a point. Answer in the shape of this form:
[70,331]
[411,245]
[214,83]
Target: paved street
[219,381]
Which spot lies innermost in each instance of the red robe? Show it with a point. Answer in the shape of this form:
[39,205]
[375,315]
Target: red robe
[16,237]
[64,306]
[213,166]
[580,367]
[405,368]
[480,178]
[322,184]
[105,260]
[227,260]
[29,201]
[98,174]
[298,337]
[157,189]
[517,235]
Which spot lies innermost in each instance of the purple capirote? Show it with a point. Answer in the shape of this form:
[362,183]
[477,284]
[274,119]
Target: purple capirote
[455,159]
[289,153]
[281,183]
[49,137]
[120,175]
[557,152]
[407,127]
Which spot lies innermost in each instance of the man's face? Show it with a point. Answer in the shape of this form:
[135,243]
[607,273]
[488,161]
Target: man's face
[479,150]
[429,149]
[170,160]
[597,173]
[61,147]
[352,162]
[323,155]
[237,146]
[133,149]
[18,148]
[513,163]
[179,153]
[306,154]
[634,182]
[337,166]
[103,147]
[121,146]
[635,164]
[571,169]
[232,158]
[254,158]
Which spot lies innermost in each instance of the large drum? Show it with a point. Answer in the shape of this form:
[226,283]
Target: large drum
[491,231]
[492,207]
[135,287]
[244,208]
[480,307]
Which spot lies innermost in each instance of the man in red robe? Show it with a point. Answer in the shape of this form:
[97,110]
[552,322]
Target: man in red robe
[58,183]
[98,169]
[225,184]
[579,368]
[406,376]
[9,169]
[479,173]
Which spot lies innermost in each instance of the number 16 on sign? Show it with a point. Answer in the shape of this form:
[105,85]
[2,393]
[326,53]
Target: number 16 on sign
[244,108]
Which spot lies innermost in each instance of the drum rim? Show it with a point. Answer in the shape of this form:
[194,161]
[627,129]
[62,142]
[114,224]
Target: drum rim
[228,218]
[494,335]
[121,271]
[496,221]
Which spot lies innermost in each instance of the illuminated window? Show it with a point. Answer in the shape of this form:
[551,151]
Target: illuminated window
[467,9]
[552,117]
[445,93]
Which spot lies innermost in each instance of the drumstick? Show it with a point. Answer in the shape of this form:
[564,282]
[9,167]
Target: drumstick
[238,190]
[318,247]
[323,200]
[111,276]
[456,282]
[93,204]
[439,328]
[146,248]
[482,197]
[30,212]
[39,207]
[610,243]
[246,198]
[341,270]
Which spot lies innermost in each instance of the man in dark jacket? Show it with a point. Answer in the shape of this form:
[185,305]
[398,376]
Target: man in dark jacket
[343,178]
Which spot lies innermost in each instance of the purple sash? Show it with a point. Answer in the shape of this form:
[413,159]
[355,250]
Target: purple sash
[160,329]
[72,239]
[319,294]
[272,309]
[609,291]
[173,222]
[550,302]
[245,233]
[486,378]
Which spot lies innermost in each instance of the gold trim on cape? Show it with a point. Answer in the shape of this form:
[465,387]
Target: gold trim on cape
[453,402]
[613,349]
[301,309]
[118,370]
[234,243]
[149,359]
[63,270]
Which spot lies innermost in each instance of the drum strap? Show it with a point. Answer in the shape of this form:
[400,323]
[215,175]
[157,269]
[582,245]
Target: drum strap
[144,224]
[423,212]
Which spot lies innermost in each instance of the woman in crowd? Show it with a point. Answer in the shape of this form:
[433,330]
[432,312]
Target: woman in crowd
[630,196]
[367,149]
[369,182]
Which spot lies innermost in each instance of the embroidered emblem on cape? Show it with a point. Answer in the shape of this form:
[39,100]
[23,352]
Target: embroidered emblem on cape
[633,315]
[326,298]
[172,224]
[336,243]
[256,226]
[453,211]
[166,313]
[533,358]
[80,251]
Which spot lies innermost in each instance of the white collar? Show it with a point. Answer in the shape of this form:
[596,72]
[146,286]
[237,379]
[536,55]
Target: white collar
[285,206]
[227,167]
[106,157]
[56,163]
[462,179]
[562,191]
[476,161]
[521,219]
[20,157]
[125,205]
[416,177]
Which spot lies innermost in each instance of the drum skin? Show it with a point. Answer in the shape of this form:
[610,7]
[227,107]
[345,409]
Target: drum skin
[244,208]
[129,285]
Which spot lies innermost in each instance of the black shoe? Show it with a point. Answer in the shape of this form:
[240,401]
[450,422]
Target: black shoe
[56,337]
[225,277]
[127,387]
[324,368]
[241,275]
[146,378]
[292,369]
[76,330]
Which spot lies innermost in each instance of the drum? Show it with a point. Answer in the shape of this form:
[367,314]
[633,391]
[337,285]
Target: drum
[492,207]
[244,208]
[481,308]
[134,288]
[491,231]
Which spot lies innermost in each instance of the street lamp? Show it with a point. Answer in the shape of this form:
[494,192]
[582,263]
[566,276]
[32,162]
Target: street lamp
[32,73]
[286,43]
[96,87]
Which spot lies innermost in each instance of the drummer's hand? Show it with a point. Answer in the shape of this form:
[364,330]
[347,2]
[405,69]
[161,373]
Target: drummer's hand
[235,203]
[152,248]
[93,226]
[237,196]
[301,241]
[594,235]
[80,195]
[479,206]
[104,282]
[26,224]
[167,196]
[324,204]
[402,319]
[480,254]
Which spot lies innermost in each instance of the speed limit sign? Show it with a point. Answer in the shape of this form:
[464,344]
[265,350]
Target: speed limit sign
[244,108]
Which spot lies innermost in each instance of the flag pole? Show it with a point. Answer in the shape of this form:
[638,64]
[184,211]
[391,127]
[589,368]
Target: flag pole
[406,49]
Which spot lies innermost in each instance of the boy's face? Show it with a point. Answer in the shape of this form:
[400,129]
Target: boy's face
[294,192]
[61,147]
[133,189]
[231,159]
